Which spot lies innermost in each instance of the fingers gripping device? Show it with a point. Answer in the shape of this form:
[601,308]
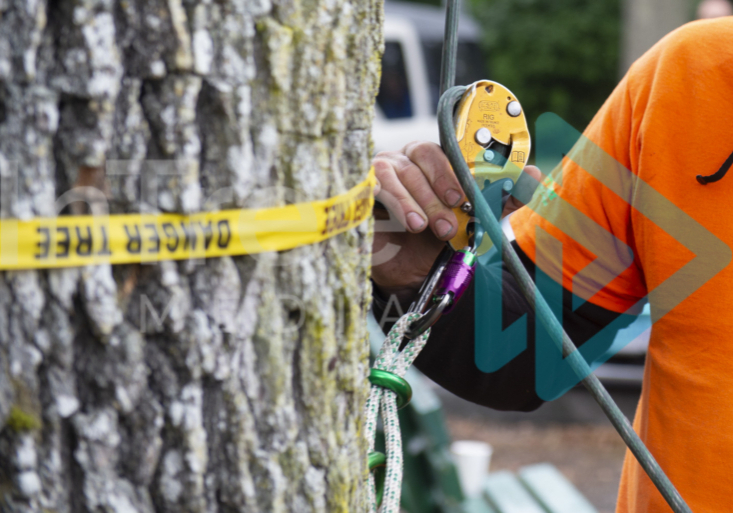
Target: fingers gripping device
[492,133]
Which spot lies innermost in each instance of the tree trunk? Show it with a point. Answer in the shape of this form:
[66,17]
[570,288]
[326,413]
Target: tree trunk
[220,385]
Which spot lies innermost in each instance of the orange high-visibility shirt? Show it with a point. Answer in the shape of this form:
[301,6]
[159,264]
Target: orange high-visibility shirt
[634,222]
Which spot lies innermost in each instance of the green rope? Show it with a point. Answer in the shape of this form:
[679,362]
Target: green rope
[450,46]
[542,310]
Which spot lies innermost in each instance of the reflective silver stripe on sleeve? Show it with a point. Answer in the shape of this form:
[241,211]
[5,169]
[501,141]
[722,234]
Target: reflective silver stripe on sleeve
[507,227]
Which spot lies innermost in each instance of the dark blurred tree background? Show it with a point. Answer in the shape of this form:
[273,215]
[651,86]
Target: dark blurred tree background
[559,56]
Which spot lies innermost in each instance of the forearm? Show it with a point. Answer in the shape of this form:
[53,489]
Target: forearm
[449,357]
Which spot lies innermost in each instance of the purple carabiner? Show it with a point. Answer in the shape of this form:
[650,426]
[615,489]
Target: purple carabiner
[451,274]
[456,277]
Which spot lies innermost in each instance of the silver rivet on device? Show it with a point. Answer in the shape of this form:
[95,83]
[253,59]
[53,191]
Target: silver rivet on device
[488,155]
[483,136]
[466,207]
[514,109]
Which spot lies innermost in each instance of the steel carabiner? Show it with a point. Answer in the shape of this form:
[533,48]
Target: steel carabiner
[448,280]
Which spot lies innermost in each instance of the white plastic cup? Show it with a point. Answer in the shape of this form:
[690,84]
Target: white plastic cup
[472,460]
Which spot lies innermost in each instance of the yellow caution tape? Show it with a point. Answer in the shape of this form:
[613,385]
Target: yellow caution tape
[70,241]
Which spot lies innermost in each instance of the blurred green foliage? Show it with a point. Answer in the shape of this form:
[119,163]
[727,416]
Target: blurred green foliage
[559,56]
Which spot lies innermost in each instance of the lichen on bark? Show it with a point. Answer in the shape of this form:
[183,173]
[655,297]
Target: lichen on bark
[220,385]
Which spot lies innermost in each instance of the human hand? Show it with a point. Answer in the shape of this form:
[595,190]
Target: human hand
[418,186]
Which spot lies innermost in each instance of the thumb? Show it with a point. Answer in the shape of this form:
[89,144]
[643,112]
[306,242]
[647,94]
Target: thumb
[534,172]
[513,203]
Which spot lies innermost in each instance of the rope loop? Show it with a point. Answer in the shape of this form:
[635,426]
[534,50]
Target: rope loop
[393,382]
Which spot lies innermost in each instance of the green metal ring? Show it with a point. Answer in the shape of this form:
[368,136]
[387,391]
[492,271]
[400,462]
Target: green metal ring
[393,382]
[378,465]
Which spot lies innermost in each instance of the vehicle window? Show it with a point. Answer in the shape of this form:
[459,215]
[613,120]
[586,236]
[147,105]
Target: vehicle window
[433,52]
[394,89]
[470,66]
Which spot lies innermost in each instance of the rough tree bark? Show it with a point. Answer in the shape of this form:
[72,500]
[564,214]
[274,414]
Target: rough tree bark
[231,384]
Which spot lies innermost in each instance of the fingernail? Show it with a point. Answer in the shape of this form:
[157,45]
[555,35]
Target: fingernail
[443,228]
[453,197]
[415,221]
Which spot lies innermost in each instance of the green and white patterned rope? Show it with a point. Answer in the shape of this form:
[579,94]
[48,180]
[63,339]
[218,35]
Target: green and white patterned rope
[391,359]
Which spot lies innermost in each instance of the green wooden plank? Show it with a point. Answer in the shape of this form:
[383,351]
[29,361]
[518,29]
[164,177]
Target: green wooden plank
[553,491]
[446,474]
[427,409]
[507,495]
[476,505]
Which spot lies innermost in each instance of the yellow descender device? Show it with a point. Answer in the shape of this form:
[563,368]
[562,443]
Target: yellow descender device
[492,133]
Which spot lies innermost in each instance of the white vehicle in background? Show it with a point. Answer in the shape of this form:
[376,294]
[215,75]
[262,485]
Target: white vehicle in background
[409,90]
